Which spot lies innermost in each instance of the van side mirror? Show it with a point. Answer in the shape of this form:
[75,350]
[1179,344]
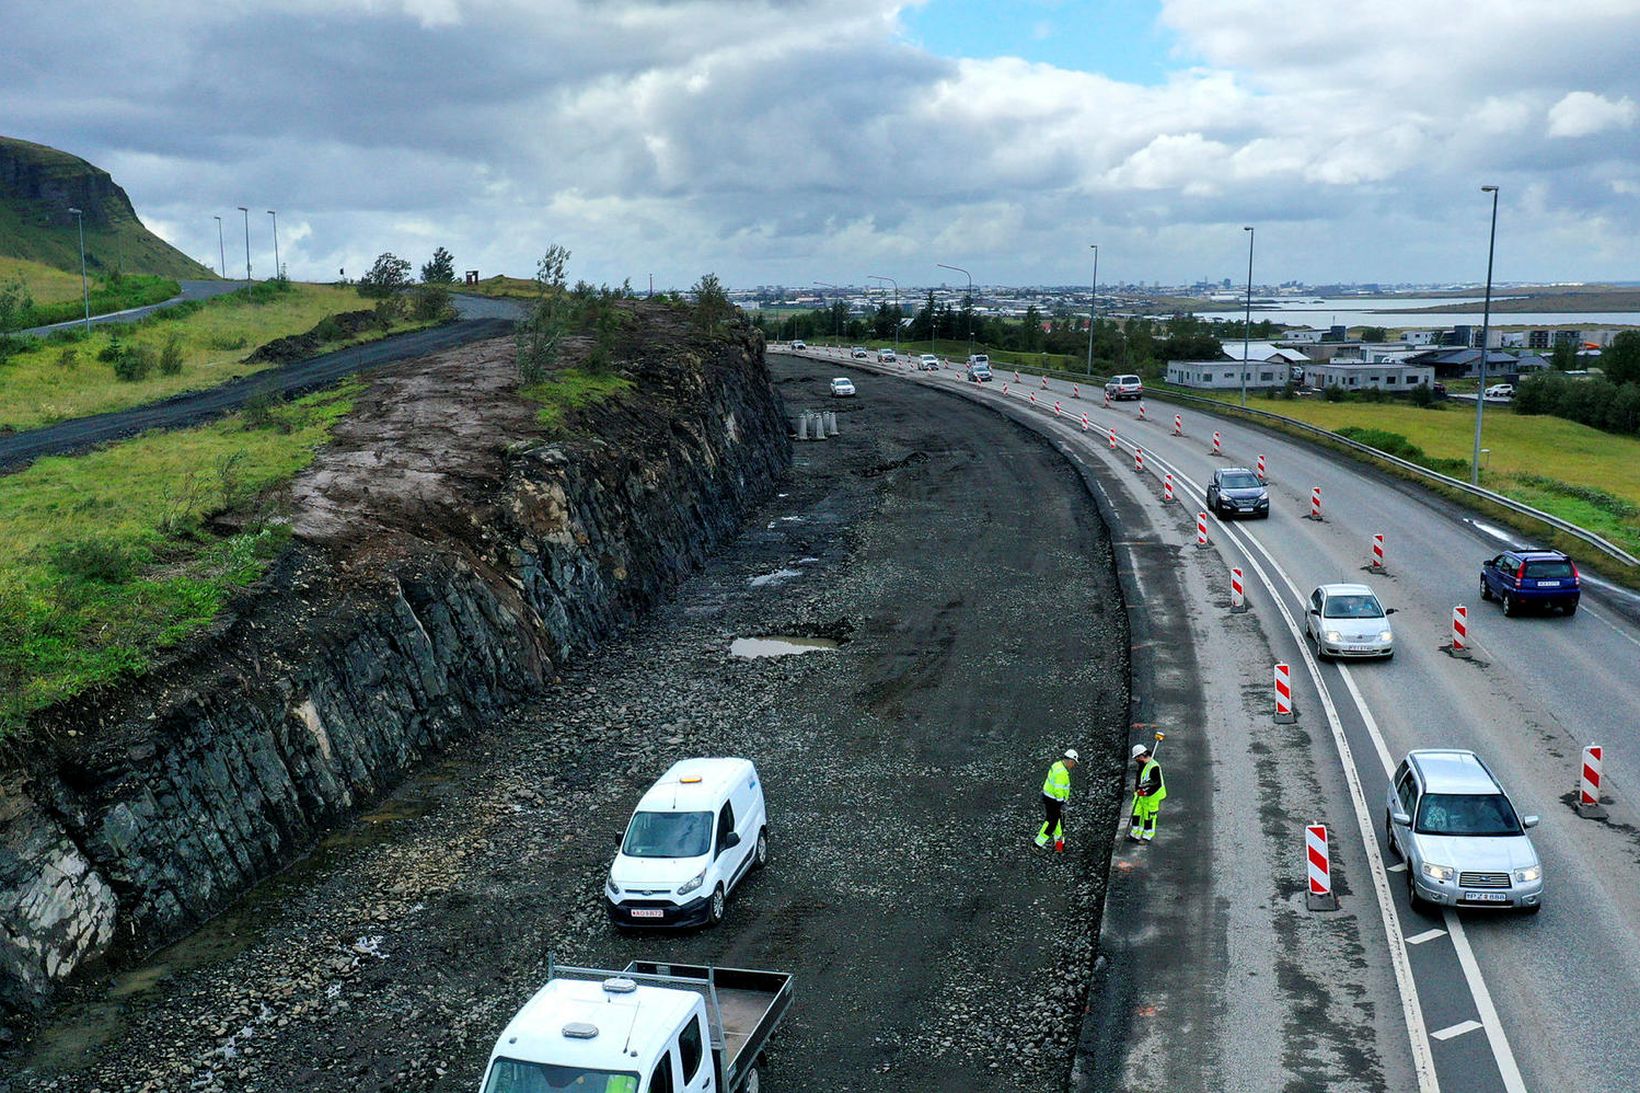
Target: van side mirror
[1528,821]
[1391,610]
[731,840]
[1401,819]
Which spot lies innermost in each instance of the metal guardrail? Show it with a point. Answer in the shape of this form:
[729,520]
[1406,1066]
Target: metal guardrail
[1600,543]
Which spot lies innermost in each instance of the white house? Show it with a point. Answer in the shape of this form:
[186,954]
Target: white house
[1262,351]
[1224,375]
[1361,375]
[1420,337]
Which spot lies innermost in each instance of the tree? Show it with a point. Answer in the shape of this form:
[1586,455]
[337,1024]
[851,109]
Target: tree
[1621,359]
[1374,334]
[15,304]
[712,306]
[389,274]
[441,270]
[537,338]
[1564,356]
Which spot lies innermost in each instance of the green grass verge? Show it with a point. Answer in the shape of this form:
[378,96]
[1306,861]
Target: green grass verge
[46,284]
[104,557]
[61,378]
[107,296]
[569,390]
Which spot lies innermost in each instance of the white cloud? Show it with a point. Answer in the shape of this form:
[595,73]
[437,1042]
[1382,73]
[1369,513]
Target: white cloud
[1582,113]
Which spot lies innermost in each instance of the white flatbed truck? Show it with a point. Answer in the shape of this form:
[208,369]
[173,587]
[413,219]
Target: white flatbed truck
[649,1028]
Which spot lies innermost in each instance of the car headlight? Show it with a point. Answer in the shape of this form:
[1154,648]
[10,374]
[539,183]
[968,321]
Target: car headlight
[1387,635]
[1529,874]
[692,883]
[611,887]
[1442,873]
[1333,636]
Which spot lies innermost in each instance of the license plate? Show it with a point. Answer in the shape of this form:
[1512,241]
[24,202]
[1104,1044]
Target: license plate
[1548,584]
[648,912]
[1357,648]
[1489,897]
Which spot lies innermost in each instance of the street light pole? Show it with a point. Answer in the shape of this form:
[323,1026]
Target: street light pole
[221,250]
[896,284]
[1247,316]
[85,290]
[1093,305]
[275,243]
[1486,323]
[247,213]
[970,277]
[836,324]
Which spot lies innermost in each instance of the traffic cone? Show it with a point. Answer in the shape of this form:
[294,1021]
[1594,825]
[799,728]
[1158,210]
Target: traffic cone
[1059,846]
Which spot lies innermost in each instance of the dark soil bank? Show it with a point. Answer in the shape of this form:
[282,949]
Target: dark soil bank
[934,947]
[448,560]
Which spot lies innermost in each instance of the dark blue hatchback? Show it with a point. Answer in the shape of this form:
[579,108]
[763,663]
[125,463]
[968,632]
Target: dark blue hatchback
[1531,578]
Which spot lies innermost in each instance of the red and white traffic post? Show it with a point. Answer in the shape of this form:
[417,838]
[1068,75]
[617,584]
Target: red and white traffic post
[1005,389]
[1460,633]
[1285,714]
[1178,424]
[1107,398]
[1056,410]
[1142,411]
[1044,383]
[1084,423]
[1113,438]
[1588,784]
[1238,592]
[1315,503]
[1261,467]
[1167,489]
[1076,390]
[1218,444]
[1318,869]
[1139,460]
[1376,563]
[1016,375]
[1201,530]
[1033,398]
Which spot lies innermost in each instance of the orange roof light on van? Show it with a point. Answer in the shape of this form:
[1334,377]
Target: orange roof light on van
[689,778]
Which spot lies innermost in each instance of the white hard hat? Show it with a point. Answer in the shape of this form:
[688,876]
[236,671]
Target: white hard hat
[1138,750]
[1070,753]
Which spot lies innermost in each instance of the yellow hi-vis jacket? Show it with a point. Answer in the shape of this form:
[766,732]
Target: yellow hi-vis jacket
[1149,783]
[1058,785]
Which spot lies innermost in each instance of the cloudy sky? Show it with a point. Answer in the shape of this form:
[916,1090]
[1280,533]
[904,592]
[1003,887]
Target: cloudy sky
[788,141]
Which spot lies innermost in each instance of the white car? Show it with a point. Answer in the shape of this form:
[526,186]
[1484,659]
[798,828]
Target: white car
[1346,620]
[842,387]
[694,836]
[886,355]
[799,343]
[1501,390]
[858,353]
[928,363]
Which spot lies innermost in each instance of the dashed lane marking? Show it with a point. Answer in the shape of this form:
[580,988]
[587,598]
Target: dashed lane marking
[1456,1030]
[1398,867]
[1427,935]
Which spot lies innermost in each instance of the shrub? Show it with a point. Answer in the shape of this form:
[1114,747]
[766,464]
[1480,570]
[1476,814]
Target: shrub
[170,356]
[1423,395]
[388,311]
[68,358]
[135,364]
[386,277]
[258,411]
[222,342]
[429,301]
[98,561]
[328,329]
[1333,393]
[111,352]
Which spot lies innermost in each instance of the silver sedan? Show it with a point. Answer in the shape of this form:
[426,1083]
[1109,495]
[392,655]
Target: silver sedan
[1346,620]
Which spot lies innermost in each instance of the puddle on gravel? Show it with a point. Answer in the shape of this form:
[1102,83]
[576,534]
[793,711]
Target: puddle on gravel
[776,577]
[778,646]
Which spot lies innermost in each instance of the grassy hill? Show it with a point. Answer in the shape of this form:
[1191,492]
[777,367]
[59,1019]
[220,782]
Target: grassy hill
[38,185]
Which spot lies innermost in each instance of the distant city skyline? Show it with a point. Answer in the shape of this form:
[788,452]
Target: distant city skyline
[796,140]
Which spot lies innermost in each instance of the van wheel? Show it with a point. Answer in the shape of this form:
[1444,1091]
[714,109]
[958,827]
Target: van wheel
[716,906]
[1509,607]
[760,856]
[753,1082]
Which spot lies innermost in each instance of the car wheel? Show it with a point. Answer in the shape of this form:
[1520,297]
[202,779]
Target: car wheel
[1533,909]
[760,856]
[1486,590]
[1571,609]
[717,905]
[1389,835]
[1414,900]
[1509,607]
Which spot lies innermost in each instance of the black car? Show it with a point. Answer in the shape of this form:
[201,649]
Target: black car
[1237,491]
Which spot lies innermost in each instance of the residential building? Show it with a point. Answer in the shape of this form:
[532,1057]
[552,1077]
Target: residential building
[1375,375]
[1226,375]
[1459,363]
[1419,337]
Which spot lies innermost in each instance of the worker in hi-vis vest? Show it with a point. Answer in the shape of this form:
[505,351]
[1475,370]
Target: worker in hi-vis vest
[1149,791]
[1056,790]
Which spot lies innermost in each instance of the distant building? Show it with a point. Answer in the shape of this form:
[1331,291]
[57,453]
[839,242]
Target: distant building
[1375,375]
[1300,336]
[1459,363]
[1419,337]
[1262,351]
[1226,375]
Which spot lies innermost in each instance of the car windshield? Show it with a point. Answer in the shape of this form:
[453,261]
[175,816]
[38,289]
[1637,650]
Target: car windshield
[1352,607]
[1479,814]
[1242,481]
[517,1076]
[668,835]
[1549,568]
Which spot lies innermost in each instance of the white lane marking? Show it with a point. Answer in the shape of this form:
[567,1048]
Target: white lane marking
[1456,1030]
[1619,631]
[1398,867]
[1483,1001]
[1427,935]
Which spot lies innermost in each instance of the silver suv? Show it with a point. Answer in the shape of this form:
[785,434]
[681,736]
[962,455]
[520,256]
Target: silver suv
[1463,842]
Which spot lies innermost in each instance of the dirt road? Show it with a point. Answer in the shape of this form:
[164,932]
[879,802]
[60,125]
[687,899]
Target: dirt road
[934,946]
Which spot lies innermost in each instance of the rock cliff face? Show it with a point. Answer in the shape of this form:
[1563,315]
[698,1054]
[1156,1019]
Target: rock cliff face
[446,557]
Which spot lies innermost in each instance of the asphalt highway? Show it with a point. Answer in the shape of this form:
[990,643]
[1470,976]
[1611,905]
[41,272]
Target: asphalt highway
[191,290]
[1488,1000]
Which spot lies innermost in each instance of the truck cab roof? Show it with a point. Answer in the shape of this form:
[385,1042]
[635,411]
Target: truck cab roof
[695,785]
[612,1025]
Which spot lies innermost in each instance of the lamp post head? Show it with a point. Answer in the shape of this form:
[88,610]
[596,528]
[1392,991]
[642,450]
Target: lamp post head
[1247,228]
[242,208]
[272,213]
[1489,189]
[75,211]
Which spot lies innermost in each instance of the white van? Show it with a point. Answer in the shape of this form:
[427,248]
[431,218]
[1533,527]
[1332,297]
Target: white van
[695,834]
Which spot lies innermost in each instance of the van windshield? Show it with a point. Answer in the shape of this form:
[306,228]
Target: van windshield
[1352,607]
[1477,814]
[668,835]
[517,1076]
